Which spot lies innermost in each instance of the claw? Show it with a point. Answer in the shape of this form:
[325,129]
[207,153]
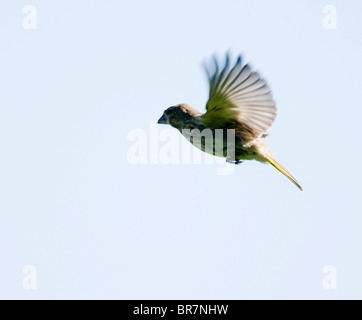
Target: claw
[236,162]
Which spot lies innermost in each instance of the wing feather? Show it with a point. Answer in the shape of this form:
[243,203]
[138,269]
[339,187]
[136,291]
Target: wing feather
[239,94]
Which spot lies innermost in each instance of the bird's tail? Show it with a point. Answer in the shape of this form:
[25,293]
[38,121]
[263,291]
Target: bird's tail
[283,170]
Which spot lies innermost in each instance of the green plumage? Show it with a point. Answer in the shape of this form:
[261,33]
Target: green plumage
[240,100]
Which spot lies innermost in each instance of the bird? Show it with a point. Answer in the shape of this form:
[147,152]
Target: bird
[240,100]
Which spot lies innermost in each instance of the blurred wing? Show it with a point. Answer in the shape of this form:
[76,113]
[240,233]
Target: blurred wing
[239,94]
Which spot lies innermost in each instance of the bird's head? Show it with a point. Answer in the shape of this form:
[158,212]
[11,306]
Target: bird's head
[177,116]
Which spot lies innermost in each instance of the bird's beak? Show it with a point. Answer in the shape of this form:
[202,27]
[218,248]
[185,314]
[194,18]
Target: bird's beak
[163,120]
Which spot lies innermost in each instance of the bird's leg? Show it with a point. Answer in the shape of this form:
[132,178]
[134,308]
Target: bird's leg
[239,161]
[231,158]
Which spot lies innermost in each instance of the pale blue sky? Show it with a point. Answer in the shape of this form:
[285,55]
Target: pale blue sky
[94,226]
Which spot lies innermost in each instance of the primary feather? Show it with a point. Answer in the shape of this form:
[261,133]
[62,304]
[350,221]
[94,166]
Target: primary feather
[239,94]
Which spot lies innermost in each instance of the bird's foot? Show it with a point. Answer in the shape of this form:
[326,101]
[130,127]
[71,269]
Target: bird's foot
[236,162]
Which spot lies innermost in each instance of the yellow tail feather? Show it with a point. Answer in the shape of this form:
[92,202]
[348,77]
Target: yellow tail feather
[284,171]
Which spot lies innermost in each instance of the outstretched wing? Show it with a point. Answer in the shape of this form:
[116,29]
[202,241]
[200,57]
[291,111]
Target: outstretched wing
[241,95]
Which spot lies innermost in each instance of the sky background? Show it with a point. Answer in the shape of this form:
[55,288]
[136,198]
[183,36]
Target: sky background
[97,227]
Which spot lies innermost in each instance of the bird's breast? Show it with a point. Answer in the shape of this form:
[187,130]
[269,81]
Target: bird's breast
[214,142]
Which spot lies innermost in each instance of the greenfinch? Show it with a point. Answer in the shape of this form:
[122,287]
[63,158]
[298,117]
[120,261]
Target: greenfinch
[239,100]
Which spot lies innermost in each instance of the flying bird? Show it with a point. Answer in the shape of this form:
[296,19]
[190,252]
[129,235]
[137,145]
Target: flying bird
[239,100]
